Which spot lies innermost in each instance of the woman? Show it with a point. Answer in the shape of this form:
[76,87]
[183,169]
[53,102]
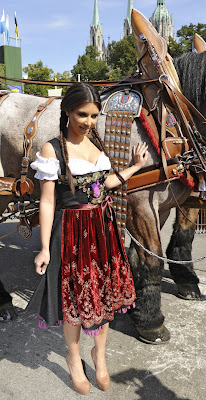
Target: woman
[87,276]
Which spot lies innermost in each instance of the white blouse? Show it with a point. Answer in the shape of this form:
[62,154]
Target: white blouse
[49,168]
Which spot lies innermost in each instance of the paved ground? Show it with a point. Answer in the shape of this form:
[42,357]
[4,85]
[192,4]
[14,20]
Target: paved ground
[32,364]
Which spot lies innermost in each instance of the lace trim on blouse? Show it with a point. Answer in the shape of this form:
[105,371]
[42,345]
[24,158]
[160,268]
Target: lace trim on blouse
[49,168]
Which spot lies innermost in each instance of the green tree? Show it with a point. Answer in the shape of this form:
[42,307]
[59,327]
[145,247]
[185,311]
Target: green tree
[92,53]
[185,35]
[3,86]
[175,48]
[115,74]
[89,67]
[64,77]
[123,57]
[41,73]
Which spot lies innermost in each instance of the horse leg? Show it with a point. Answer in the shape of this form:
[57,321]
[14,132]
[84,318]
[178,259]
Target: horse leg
[143,224]
[180,248]
[7,311]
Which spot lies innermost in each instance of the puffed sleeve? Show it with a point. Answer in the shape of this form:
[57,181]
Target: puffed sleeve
[46,168]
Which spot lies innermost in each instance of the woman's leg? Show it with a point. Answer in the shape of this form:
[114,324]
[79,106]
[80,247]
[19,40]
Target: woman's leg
[98,352]
[73,359]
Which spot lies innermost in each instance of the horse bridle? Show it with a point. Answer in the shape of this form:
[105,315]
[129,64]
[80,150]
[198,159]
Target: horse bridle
[190,131]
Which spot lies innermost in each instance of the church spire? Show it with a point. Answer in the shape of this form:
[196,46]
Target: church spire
[96,34]
[129,10]
[96,21]
[127,21]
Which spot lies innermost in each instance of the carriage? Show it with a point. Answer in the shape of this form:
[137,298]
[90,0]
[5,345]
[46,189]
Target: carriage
[148,106]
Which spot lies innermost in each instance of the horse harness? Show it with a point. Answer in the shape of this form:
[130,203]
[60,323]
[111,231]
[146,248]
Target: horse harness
[120,109]
[23,187]
[164,96]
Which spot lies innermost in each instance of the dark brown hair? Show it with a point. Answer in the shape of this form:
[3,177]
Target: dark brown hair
[75,96]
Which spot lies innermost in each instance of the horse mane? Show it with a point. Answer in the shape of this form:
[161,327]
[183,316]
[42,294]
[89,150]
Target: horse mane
[191,69]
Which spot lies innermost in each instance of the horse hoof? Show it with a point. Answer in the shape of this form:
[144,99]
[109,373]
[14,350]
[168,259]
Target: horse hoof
[159,335]
[7,312]
[188,291]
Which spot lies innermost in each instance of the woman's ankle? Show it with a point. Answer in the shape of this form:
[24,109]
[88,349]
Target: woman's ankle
[73,358]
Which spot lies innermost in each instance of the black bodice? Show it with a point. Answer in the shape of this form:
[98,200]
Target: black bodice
[89,188]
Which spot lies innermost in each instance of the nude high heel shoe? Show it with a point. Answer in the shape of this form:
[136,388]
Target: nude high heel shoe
[102,381]
[81,387]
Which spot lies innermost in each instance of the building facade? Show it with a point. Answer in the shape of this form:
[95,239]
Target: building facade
[162,20]
[11,65]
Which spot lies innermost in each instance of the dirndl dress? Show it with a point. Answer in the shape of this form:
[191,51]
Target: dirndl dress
[88,278]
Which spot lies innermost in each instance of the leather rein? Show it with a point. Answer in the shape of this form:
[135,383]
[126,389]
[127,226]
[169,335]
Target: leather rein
[22,188]
[190,130]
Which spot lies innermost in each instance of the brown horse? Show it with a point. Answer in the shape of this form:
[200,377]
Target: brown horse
[180,246]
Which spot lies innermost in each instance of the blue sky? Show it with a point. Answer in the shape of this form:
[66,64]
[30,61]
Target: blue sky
[57,33]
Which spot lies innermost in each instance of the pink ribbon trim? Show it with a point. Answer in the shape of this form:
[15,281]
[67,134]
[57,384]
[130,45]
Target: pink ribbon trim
[94,332]
[42,324]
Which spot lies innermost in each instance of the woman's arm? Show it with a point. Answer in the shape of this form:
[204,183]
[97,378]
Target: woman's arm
[46,215]
[140,155]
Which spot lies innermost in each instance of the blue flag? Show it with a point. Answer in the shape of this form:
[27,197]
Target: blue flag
[7,29]
[2,27]
[3,23]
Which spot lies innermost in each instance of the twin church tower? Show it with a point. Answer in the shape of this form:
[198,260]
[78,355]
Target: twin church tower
[161,20]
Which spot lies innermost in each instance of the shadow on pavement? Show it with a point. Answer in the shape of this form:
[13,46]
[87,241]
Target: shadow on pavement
[147,385]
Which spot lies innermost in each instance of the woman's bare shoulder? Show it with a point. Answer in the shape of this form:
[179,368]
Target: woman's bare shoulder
[47,151]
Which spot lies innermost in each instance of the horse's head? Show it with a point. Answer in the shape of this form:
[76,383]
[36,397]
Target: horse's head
[156,63]
[152,49]
[143,29]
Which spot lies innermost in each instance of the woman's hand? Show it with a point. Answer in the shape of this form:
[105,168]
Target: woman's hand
[140,154]
[41,261]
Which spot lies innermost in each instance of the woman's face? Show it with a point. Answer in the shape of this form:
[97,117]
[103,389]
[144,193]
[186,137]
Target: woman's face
[82,119]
